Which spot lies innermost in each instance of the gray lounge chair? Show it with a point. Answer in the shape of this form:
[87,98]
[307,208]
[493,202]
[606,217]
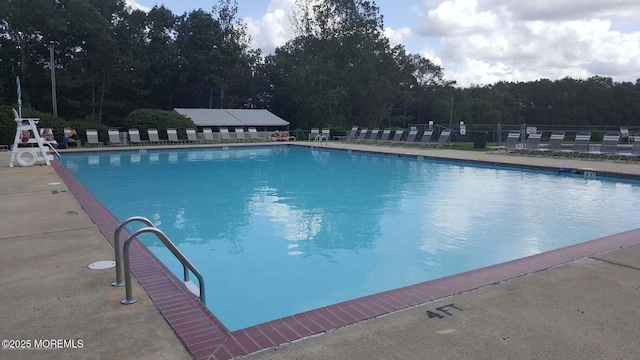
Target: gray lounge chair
[580,146]
[154,137]
[208,135]
[634,154]
[426,137]
[92,138]
[352,133]
[511,143]
[443,140]
[397,136]
[192,136]
[532,145]
[253,134]
[224,135]
[172,134]
[314,133]
[240,135]
[608,148]
[363,134]
[134,137]
[411,137]
[385,135]
[373,136]
[114,137]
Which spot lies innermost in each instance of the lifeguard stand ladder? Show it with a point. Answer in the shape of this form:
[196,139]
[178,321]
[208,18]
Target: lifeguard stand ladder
[28,156]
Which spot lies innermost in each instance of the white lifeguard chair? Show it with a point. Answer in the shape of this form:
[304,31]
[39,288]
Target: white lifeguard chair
[27,156]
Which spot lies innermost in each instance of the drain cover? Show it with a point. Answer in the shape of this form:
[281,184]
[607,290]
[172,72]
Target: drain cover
[101,265]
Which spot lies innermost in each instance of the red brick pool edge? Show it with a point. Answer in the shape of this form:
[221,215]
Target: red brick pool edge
[207,338]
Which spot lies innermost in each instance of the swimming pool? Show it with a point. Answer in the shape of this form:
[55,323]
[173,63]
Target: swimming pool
[280,230]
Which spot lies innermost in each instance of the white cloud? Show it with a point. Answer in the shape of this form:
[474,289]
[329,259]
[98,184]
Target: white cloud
[135,6]
[484,41]
[273,29]
[397,36]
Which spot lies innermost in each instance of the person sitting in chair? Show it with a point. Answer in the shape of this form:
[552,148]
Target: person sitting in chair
[47,135]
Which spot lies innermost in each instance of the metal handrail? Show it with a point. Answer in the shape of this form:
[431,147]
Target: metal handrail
[186,264]
[318,140]
[116,243]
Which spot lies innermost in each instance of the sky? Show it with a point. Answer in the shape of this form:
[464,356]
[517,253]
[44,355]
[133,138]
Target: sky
[479,42]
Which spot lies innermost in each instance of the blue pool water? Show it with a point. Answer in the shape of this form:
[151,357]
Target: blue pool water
[280,230]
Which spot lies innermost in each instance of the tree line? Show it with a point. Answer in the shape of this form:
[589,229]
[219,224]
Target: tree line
[338,70]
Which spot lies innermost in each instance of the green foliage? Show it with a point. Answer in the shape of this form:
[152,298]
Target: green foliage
[144,119]
[597,136]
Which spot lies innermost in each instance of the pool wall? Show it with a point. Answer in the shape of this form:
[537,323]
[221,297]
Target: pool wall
[207,338]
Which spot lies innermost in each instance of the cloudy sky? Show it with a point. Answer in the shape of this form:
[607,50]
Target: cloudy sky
[482,41]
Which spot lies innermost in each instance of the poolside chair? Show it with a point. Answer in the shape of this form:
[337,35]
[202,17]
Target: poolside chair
[240,135]
[555,143]
[253,134]
[192,136]
[580,145]
[373,136]
[92,138]
[172,134]
[532,144]
[208,135]
[608,147]
[325,134]
[426,137]
[224,135]
[624,134]
[314,133]
[385,135]
[397,136]
[134,137]
[352,133]
[411,136]
[634,154]
[114,137]
[511,144]
[443,140]
[154,138]
[363,134]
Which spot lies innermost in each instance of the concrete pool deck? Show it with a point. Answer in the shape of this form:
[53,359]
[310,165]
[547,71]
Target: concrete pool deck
[586,309]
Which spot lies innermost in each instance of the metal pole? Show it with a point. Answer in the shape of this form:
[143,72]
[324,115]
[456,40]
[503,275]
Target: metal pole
[53,81]
[451,114]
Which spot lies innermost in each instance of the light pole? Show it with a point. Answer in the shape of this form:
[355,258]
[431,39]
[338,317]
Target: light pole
[53,80]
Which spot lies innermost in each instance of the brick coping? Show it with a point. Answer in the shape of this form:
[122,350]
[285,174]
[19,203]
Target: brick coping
[206,337]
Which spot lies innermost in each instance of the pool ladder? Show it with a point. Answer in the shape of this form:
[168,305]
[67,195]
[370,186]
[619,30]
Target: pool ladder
[186,264]
[318,140]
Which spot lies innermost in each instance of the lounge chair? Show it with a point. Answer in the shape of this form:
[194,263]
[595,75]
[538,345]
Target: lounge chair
[208,135]
[253,134]
[192,136]
[397,136]
[373,136]
[411,137]
[443,140]
[608,147]
[580,145]
[352,133]
[224,135]
[314,133]
[114,137]
[426,137]
[385,135]
[634,154]
[326,134]
[555,143]
[92,138]
[532,145]
[134,137]
[154,138]
[511,144]
[363,134]
[172,134]
[240,135]
[624,134]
